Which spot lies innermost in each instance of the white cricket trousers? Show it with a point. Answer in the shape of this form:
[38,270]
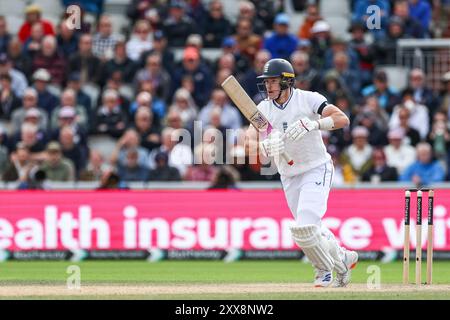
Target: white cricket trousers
[307,193]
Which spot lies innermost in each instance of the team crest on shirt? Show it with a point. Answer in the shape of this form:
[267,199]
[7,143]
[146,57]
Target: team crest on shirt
[259,121]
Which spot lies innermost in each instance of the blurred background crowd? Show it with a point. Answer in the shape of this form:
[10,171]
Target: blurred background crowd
[101,101]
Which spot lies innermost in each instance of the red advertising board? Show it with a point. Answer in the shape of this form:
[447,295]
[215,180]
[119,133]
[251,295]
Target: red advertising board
[248,219]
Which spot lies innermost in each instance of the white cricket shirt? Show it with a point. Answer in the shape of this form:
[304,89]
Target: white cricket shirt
[309,152]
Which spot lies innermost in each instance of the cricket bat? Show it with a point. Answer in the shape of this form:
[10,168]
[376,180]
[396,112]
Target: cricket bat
[248,108]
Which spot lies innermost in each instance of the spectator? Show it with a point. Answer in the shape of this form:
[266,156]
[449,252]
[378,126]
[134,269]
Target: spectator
[444,101]
[132,170]
[387,97]
[419,117]
[67,118]
[140,40]
[104,41]
[184,105]
[111,181]
[225,62]
[34,117]
[82,98]
[67,39]
[361,14]
[312,15]
[69,100]
[31,138]
[137,9]
[94,7]
[425,170]
[56,167]
[230,117]
[412,136]
[129,140]
[29,101]
[159,47]
[379,171]
[3,154]
[365,51]
[18,80]
[303,71]
[421,11]
[148,131]
[9,102]
[162,171]
[229,45]
[203,169]
[399,153]
[381,116]
[160,78]
[385,48]
[343,172]
[241,163]
[250,80]
[333,86]
[120,63]
[49,58]
[422,93]
[34,43]
[72,150]
[35,179]
[348,77]
[200,74]
[439,136]
[19,165]
[339,45]
[225,178]
[359,153]
[248,42]
[412,27]
[96,167]
[19,60]
[111,117]
[173,120]
[46,100]
[377,135]
[145,100]
[216,26]
[180,155]
[33,15]
[178,25]
[247,11]
[84,62]
[5,36]
[281,44]
[320,42]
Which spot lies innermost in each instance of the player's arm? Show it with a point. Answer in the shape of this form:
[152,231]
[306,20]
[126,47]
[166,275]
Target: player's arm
[332,118]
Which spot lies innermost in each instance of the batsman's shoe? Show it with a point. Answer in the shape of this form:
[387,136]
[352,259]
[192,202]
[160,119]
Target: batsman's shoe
[323,278]
[350,260]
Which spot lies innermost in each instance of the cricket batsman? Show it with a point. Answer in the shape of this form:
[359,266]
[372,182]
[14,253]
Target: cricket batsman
[296,116]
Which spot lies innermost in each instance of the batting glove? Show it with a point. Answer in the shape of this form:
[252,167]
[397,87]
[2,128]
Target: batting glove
[273,145]
[299,128]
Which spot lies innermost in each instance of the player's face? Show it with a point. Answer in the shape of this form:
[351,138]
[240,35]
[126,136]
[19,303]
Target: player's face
[272,87]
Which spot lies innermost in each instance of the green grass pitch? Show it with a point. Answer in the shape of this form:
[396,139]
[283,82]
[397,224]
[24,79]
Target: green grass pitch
[38,280]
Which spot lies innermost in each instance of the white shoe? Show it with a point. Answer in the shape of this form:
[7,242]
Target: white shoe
[350,260]
[323,278]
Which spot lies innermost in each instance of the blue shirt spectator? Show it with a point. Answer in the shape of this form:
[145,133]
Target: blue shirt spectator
[425,170]
[421,11]
[281,44]
[200,74]
[360,13]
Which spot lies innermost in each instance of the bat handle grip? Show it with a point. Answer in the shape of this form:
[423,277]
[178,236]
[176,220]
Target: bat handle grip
[287,158]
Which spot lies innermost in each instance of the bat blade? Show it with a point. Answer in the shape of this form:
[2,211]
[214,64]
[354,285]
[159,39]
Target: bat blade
[248,108]
[244,103]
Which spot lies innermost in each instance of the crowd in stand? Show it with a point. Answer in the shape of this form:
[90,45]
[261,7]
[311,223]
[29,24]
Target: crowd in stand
[48,115]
